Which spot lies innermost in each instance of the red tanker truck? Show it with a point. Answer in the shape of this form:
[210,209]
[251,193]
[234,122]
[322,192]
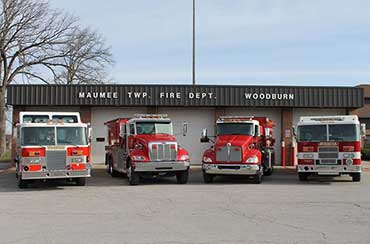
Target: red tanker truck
[144,146]
[242,146]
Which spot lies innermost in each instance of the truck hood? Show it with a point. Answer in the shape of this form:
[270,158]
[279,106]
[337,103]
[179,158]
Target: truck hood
[156,138]
[235,140]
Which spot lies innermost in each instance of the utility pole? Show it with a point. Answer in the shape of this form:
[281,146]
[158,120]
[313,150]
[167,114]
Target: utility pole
[193,71]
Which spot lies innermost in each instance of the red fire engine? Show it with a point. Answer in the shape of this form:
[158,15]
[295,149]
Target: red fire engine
[243,146]
[52,145]
[144,146]
[329,145]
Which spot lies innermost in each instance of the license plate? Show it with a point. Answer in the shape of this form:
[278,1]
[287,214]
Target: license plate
[57,173]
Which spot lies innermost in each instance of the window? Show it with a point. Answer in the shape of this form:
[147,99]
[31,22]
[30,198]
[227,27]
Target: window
[235,129]
[344,133]
[65,118]
[71,136]
[35,118]
[154,128]
[132,129]
[312,133]
[38,136]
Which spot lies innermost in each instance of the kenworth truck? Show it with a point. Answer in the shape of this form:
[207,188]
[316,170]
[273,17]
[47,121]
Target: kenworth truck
[329,145]
[242,146]
[52,145]
[144,146]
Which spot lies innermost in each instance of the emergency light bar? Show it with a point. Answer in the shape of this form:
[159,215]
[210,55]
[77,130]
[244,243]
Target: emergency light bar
[150,116]
[235,117]
[329,119]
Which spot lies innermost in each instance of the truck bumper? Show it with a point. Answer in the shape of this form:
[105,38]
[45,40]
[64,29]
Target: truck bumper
[55,174]
[232,169]
[329,169]
[163,166]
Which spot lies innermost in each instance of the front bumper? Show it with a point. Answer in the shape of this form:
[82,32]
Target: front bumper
[55,174]
[329,169]
[232,169]
[162,166]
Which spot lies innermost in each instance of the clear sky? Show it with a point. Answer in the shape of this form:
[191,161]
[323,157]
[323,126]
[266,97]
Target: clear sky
[279,42]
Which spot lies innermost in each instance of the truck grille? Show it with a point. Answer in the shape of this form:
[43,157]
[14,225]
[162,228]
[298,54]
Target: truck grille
[163,151]
[228,154]
[328,152]
[56,159]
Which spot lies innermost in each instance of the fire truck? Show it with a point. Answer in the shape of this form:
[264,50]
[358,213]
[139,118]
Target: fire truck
[242,146]
[52,145]
[329,145]
[144,146]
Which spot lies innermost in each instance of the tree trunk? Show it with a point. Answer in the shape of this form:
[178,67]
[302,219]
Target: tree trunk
[2,123]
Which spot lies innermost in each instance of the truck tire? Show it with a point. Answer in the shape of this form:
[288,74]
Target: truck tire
[356,177]
[257,179]
[268,171]
[182,178]
[133,177]
[111,170]
[80,181]
[207,178]
[22,184]
[303,176]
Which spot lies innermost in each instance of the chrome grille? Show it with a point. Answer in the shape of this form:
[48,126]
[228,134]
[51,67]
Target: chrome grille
[56,159]
[328,152]
[229,154]
[163,151]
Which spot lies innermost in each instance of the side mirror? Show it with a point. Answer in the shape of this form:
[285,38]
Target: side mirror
[267,132]
[184,128]
[89,134]
[294,131]
[204,138]
[363,130]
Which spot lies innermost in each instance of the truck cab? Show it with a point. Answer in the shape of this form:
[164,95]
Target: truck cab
[52,145]
[329,145]
[145,146]
[242,146]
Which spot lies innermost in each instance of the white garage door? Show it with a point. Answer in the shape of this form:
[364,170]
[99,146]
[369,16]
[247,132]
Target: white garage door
[100,115]
[273,114]
[197,119]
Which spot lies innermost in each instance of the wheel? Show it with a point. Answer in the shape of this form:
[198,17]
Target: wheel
[356,177]
[133,177]
[268,172]
[257,179]
[303,176]
[80,181]
[182,178]
[22,184]
[111,170]
[208,178]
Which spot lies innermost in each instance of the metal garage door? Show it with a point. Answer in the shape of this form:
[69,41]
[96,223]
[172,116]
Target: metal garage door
[273,114]
[99,115]
[197,119]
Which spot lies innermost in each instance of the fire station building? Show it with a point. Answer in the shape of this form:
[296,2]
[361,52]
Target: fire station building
[198,105]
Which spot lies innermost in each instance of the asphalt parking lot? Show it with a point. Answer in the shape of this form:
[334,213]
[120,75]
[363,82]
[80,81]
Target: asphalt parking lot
[108,210]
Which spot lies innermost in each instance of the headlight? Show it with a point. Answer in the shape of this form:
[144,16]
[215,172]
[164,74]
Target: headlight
[138,158]
[138,146]
[253,159]
[348,155]
[184,158]
[76,160]
[308,155]
[207,160]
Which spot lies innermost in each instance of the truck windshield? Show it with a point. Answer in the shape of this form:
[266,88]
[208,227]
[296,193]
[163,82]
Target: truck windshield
[344,133]
[235,129]
[153,128]
[337,132]
[71,136]
[38,136]
[312,133]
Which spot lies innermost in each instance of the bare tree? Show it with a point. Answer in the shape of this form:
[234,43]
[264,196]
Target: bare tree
[43,44]
[86,60]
